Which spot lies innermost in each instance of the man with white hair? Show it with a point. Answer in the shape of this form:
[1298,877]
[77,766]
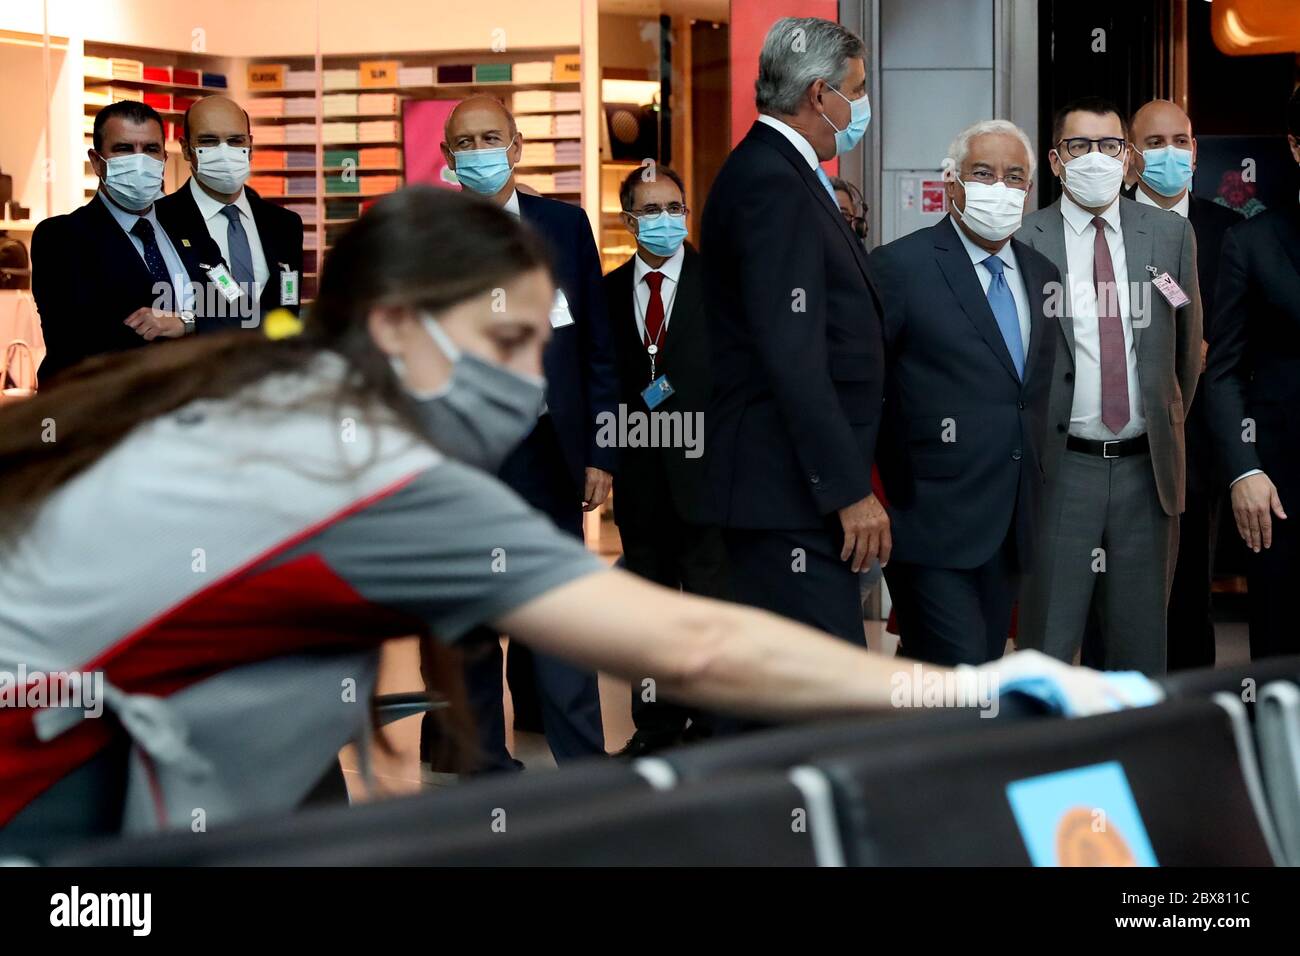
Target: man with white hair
[794,325]
[970,357]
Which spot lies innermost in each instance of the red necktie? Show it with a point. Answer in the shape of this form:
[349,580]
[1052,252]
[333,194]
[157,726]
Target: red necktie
[1114,366]
[654,312]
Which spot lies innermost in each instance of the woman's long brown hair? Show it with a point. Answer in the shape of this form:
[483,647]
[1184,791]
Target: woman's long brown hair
[421,247]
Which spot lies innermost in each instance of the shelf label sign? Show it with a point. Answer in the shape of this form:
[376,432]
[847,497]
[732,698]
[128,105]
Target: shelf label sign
[378,72]
[266,76]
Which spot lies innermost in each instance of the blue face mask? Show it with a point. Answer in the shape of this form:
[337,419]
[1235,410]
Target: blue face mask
[483,171]
[661,234]
[859,119]
[1167,170]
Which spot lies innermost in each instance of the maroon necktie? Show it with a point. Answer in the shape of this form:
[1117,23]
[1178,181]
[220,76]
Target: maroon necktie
[1114,366]
[654,312]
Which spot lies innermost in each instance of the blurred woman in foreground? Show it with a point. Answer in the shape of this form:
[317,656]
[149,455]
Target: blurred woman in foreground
[224,530]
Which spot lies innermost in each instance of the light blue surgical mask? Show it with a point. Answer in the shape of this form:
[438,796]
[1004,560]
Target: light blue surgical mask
[859,119]
[662,234]
[1167,170]
[483,171]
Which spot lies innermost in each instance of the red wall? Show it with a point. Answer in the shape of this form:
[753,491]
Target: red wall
[750,21]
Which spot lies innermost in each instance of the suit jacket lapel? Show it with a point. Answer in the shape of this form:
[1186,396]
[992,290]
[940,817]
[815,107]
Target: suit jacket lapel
[117,240]
[820,196]
[957,269]
[1049,239]
[1037,293]
[1137,254]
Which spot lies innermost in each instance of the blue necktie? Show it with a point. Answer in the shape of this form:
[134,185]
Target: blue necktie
[153,259]
[241,256]
[830,190]
[1003,305]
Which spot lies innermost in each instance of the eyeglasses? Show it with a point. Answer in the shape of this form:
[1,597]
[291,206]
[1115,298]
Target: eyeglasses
[985,176]
[239,141]
[1078,146]
[673,209]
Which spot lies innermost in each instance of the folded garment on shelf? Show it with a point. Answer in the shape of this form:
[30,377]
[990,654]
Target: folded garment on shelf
[306,210]
[539,71]
[300,185]
[339,79]
[267,185]
[268,158]
[300,106]
[265,106]
[159,101]
[342,209]
[97,67]
[339,104]
[112,93]
[377,103]
[456,73]
[536,125]
[339,183]
[538,154]
[154,74]
[269,135]
[568,100]
[216,81]
[380,157]
[568,151]
[532,101]
[415,76]
[300,79]
[340,157]
[300,159]
[338,132]
[492,73]
[380,183]
[542,182]
[124,68]
[185,76]
[377,131]
[299,132]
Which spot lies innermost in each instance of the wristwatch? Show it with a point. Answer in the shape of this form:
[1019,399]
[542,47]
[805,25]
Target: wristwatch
[187,316]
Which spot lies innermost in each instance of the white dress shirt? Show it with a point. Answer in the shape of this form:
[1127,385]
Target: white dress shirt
[512,204]
[1085,418]
[796,138]
[171,258]
[672,271]
[1179,207]
[219,229]
[1015,279]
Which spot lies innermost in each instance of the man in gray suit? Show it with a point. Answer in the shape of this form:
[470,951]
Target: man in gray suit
[1128,357]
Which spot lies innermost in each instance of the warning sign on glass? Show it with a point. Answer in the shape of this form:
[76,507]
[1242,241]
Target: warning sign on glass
[932,195]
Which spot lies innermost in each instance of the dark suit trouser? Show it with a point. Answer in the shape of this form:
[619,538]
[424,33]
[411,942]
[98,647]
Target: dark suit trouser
[570,696]
[678,555]
[1273,580]
[797,574]
[1191,623]
[953,616]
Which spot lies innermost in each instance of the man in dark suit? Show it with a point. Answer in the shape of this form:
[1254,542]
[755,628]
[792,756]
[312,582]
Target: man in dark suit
[656,307]
[1252,391]
[794,324]
[970,351]
[560,468]
[1163,154]
[108,276]
[259,242]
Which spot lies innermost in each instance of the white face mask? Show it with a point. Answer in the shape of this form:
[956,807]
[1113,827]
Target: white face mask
[133,181]
[993,210]
[222,168]
[1093,179]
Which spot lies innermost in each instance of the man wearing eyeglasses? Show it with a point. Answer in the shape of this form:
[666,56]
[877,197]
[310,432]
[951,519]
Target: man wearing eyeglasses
[661,341]
[1128,359]
[257,244]
[969,353]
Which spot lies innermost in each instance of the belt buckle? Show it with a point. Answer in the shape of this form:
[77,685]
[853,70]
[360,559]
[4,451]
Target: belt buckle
[1105,449]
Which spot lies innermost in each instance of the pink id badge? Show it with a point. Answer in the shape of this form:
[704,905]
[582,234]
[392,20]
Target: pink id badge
[1171,290]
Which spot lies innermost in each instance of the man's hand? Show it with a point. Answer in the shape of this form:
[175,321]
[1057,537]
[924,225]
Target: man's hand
[150,325]
[1254,502]
[1205,355]
[866,533]
[598,485]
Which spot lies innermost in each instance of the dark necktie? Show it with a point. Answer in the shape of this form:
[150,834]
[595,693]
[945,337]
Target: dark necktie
[1110,327]
[241,256]
[153,259]
[654,311]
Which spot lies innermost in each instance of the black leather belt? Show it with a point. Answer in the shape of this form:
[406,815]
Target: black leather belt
[1108,449]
